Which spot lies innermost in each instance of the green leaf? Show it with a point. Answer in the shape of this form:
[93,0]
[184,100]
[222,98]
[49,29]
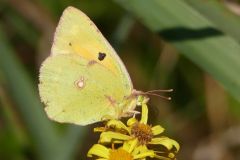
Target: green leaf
[194,36]
[218,14]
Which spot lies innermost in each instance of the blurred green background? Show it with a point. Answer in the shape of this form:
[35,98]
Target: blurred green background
[192,46]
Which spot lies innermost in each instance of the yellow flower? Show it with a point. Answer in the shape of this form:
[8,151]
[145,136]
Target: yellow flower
[129,151]
[144,134]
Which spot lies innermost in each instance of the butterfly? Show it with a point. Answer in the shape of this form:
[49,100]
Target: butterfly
[84,81]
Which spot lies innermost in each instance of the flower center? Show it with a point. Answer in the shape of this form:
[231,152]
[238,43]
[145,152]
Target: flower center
[142,132]
[120,154]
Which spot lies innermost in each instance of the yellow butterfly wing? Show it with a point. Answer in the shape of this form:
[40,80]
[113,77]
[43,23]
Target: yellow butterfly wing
[77,34]
[75,91]
[84,80]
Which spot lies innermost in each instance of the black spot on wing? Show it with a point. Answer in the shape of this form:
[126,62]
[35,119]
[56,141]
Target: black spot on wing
[101,56]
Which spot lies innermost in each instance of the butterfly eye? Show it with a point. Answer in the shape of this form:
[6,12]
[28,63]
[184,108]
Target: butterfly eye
[101,56]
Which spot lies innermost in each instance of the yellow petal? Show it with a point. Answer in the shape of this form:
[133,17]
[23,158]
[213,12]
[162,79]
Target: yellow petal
[142,152]
[118,125]
[166,142]
[139,149]
[130,145]
[98,150]
[108,137]
[171,155]
[162,157]
[99,129]
[148,153]
[131,121]
[156,130]
[144,117]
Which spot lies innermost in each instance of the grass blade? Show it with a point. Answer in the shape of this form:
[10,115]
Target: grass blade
[218,14]
[194,36]
[25,96]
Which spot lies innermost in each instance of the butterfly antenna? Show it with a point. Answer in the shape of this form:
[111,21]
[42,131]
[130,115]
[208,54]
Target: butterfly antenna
[154,94]
[157,93]
[160,90]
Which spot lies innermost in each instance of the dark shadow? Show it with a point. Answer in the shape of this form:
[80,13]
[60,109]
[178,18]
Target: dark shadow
[183,33]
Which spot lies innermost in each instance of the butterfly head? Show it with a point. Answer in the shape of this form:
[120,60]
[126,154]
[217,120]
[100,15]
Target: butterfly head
[141,97]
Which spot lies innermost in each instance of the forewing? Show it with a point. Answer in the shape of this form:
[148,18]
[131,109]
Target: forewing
[77,34]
